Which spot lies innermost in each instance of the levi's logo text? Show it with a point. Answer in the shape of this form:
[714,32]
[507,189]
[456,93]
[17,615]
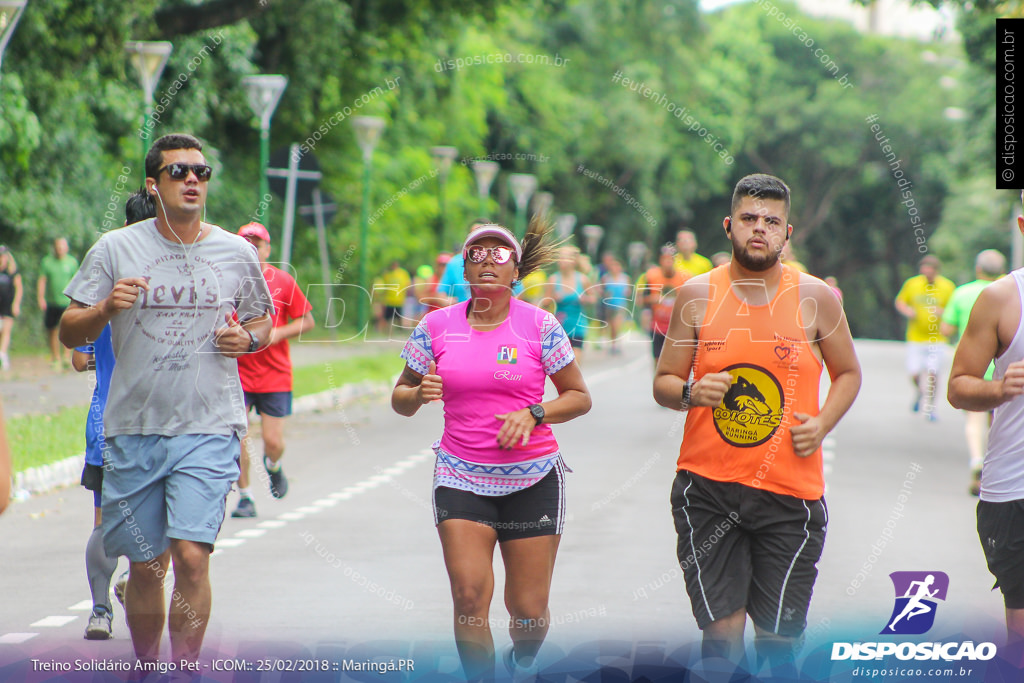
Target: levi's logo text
[752,409]
[507,355]
[917,596]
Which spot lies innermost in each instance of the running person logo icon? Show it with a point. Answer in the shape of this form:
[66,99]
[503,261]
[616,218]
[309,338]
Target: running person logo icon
[917,594]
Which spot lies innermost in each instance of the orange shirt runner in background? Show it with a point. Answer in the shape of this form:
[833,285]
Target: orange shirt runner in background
[664,288]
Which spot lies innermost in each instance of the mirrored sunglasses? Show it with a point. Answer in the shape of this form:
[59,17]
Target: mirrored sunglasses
[478,254]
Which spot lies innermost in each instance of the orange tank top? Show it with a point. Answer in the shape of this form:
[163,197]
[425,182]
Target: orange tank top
[746,438]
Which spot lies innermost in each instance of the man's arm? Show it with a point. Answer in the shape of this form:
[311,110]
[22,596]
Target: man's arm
[968,389]
[41,292]
[81,324]
[905,309]
[832,333]
[292,329]
[677,355]
[903,306]
[82,361]
[233,339]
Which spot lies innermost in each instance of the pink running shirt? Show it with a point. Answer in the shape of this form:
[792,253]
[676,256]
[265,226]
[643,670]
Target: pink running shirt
[489,373]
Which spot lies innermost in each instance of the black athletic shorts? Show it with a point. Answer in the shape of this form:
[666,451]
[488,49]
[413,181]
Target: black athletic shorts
[1001,531]
[92,480]
[270,403]
[743,548]
[658,342]
[6,307]
[51,318]
[393,314]
[535,511]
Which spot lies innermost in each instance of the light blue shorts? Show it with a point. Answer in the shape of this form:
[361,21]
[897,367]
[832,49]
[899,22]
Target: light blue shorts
[156,488]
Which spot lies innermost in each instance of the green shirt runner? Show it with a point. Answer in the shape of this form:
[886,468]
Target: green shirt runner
[58,273]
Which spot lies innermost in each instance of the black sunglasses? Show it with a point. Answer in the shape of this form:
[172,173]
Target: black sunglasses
[181,171]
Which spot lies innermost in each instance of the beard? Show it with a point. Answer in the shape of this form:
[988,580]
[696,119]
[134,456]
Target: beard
[755,262]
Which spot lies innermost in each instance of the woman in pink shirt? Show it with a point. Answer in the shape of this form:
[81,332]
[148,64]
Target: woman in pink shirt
[499,477]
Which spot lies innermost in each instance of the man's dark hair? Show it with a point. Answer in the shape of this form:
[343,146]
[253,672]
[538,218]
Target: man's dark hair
[139,207]
[155,155]
[760,186]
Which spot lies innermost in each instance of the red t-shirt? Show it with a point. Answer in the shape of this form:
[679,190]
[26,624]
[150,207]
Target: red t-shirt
[665,289]
[270,368]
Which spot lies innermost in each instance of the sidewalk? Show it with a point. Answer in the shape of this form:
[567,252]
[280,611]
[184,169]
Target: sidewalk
[32,386]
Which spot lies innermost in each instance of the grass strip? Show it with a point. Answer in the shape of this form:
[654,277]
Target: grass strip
[41,439]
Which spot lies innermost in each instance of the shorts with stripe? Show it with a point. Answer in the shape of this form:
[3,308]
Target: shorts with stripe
[742,548]
[1001,530]
[535,511]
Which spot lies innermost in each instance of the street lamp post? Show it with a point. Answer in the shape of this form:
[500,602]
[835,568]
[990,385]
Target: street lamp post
[10,13]
[368,131]
[485,172]
[264,92]
[564,225]
[443,157]
[636,251]
[542,202]
[149,59]
[522,186]
[592,235]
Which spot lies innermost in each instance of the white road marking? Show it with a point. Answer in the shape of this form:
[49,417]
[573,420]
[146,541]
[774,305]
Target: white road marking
[249,533]
[53,622]
[272,524]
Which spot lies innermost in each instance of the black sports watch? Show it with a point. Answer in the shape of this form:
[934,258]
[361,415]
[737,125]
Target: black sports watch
[254,343]
[537,411]
[687,390]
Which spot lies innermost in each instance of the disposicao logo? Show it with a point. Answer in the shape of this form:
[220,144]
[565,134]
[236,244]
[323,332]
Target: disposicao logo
[917,596]
[913,613]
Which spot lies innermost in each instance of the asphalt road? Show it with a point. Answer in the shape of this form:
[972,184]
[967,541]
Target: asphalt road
[348,565]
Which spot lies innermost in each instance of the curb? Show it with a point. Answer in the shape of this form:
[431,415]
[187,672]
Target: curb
[68,472]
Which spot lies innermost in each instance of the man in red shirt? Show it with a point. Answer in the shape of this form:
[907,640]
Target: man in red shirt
[662,283]
[267,375]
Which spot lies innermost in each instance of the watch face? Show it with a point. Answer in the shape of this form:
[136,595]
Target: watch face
[537,412]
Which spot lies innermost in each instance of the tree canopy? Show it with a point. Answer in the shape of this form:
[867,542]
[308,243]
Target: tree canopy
[637,115]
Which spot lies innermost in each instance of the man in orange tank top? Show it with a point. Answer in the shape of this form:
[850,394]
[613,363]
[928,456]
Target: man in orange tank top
[743,356]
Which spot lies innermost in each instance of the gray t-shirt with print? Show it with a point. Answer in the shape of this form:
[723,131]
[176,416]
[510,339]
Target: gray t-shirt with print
[170,379]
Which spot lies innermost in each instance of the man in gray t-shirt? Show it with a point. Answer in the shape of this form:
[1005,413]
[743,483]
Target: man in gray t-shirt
[184,299]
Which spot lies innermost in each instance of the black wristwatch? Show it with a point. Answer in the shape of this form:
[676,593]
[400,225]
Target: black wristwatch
[537,411]
[687,390]
[254,343]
